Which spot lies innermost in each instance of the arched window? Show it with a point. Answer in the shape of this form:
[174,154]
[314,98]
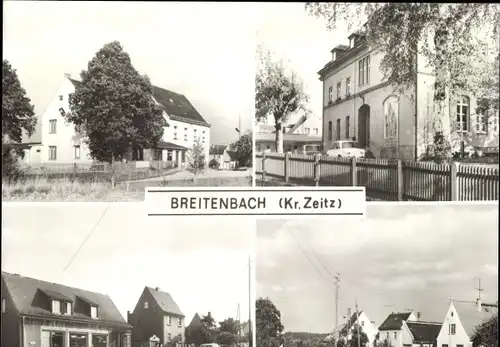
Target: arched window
[463,114]
[330,131]
[391,108]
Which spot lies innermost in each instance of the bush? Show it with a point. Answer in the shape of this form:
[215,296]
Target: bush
[214,164]
[11,168]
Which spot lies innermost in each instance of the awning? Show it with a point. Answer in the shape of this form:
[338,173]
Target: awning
[170,145]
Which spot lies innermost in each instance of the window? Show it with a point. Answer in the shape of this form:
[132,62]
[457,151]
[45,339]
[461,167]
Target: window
[175,132]
[387,335]
[330,131]
[330,94]
[179,322]
[395,335]
[3,305]
[452,313]
[77,151]
[53,338]
[338,90]
[348,86]
[61,97]
[444,345]
[146,305]
[77,340]
[453,329]
[169,155]
[179,337]
[52,153]
[185,134]
[56,307]
[194,135]
[481,126]
[347,126]
[337,135]
[462,114]
[362,323]
[52,126]
[99,340]
[307,130]
[93,312]
[391,118]
[169,320]
[169,337]
[66,308]
[364,71]
[316,131]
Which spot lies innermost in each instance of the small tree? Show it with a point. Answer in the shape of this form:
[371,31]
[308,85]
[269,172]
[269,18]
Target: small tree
[18,116]
[486,333]
[196,158]
[244,149]
[277,93]
[358,336]
[209,328]
[268,324]
[114,107]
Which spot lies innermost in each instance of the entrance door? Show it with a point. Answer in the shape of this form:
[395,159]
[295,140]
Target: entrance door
[364,126]
[45,339]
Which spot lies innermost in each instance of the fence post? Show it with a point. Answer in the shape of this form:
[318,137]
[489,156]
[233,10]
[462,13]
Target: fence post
[400,180]
[286,169]
[317,170]
[354,173]
[263,166]
[454,181]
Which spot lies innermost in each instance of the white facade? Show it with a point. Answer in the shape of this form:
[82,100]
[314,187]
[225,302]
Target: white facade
[453,333]
[396,338]
[367,326]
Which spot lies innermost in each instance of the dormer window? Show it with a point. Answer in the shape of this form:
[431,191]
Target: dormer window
[66,308]
[93,312]
[334,55]
[56,307]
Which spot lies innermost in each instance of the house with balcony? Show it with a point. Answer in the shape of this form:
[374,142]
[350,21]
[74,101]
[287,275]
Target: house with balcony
[157,314]
[59,141]
[360,104]
[41,313]
[301,131]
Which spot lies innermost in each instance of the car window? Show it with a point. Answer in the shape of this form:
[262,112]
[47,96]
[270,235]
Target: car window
[349,145]
[336,145]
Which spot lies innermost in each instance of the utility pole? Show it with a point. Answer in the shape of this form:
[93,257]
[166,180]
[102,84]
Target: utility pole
[337,286]
[239,126]
[250,333]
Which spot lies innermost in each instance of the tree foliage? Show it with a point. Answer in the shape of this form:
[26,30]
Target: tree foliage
[278,93]
[268,324]
[454,39]
[18,117]
[114,106]
[486,333]
[244,149]
[357,331]
[196,158]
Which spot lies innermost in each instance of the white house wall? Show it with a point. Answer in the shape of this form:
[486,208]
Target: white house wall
[202,132]
[460,338]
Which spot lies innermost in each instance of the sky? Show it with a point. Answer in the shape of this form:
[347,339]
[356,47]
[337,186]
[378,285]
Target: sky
[398,258]
[302,42]
[202,50]
[204,269]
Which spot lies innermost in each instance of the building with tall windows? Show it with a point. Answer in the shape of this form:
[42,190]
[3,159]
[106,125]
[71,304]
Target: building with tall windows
[359,104]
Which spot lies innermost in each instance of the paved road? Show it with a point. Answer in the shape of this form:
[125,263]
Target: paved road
[206,174]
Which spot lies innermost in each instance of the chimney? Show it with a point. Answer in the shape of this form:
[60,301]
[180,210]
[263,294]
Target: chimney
[478,305]
[419,314]
[67,75]
[157,289]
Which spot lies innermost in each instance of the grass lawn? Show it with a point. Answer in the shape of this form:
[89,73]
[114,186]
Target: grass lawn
[40,189]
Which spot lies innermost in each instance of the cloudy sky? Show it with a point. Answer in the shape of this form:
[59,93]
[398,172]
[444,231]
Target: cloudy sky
[399,258]
[204,269]
[302,41]
[202,50]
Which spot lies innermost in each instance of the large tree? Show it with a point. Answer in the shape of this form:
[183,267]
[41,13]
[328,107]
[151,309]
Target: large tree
[268,324]
[277,93]
[114,107]
[209,328]
[486,333]
[451,37]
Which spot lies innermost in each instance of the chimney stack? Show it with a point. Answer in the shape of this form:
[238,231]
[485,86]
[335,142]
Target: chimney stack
[157,289]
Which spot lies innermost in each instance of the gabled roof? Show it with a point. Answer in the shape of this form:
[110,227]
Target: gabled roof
[23,290]
[165,301]
[424,332]
[217,149]
[176,105]
[470,317]
[196,321]
[394,321]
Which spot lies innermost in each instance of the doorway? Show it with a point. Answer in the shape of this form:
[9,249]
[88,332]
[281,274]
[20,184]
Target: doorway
[364,126]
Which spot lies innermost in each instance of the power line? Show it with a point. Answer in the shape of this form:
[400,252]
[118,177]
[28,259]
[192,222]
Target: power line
[86,238]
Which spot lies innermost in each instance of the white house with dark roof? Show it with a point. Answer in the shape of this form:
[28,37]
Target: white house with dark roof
[39,313]
[157,314]
[364,323]
[419,333]
[60,143]
[392,327]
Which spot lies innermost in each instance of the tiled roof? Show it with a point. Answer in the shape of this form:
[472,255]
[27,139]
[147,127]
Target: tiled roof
[195,322]
[217,149]
[176,105]
[394,321]
[470,317]
[424,332]
[169,145]
[23,290]
[165,301]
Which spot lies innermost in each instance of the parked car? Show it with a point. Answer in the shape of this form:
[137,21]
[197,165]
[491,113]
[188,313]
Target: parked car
[346,149]
[311,149]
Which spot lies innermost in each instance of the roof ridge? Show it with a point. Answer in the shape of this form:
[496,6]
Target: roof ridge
[423,322]
[54,283]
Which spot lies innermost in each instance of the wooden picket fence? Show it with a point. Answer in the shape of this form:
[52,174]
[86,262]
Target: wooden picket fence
[390,180]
